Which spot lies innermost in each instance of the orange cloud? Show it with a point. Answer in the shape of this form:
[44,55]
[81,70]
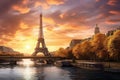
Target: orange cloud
[23,25]
[47,4]
[79,32]
[48,20]
[72,27]
[112,2]
[112,21]
[97,0]
[115,12]
[55,2]
[69,31]
[42,4]
[61,15]
[55,40]
[21,9]
[25,2]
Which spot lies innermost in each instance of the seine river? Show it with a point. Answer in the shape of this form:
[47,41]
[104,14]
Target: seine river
[26,71]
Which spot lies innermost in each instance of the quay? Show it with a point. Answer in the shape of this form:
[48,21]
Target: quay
[113,67]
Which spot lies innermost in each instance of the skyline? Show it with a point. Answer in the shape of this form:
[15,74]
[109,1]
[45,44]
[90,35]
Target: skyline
[63,20]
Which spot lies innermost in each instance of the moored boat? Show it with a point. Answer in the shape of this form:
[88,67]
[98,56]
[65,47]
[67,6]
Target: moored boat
[63,63]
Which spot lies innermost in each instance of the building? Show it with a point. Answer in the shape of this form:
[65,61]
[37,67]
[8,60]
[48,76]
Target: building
[74,42]
[87,39]
[97,30]
[111,32]
[4,49]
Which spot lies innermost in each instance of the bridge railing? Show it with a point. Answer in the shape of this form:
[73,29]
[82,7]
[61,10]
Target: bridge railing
[29,57]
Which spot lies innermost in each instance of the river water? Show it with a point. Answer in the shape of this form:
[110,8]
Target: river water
[26,71]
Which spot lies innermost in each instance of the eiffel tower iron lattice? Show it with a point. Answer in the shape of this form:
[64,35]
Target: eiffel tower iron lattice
[41,46]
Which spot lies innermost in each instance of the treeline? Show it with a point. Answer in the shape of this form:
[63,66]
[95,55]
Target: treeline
[11,54]
[6,51]
[100,47]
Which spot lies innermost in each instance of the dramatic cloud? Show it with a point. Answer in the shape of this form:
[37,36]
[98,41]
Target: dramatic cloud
[115,12]
[63,20]
[112,2]
[6,5]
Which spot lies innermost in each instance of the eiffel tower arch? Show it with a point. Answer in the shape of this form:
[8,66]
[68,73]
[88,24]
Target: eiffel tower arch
[41,46]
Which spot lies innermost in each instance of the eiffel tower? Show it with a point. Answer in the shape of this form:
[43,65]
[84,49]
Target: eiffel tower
[41,47]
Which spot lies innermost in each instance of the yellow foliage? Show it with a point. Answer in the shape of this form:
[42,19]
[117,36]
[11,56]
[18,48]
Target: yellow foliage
[102,54]
[98,42]
[76,50]
[86,47]
[61,52]
[106,42]
[100,46]
[117,33]
[114,45]
[83,50]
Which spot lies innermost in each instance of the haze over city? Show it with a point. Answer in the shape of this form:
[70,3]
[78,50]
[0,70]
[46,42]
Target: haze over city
[63,20]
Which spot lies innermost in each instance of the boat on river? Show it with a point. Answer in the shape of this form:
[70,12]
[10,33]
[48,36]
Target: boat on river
[63,63]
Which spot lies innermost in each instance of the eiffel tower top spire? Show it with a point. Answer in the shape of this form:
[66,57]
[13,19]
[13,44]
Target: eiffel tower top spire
[41,27]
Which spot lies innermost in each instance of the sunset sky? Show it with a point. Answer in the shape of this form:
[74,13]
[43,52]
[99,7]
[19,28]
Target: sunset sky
[63,20]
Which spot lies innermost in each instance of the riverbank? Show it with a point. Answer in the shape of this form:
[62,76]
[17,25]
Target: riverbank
[50,72]
[108,66]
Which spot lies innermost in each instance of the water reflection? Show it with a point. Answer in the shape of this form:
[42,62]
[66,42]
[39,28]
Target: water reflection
[42,73]
[27,62]
[27,71]
[54,73]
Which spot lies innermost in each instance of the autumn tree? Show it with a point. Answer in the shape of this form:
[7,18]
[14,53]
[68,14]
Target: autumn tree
[114,45]
[69,53]
[86,49]
[77,50]
[83,50]
[102,54]
[107,55]
[61,52]
[98,44]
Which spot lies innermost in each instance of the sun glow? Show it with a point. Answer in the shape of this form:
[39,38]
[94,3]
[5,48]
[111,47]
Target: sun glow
[28,47]
[27,62]
[28,70]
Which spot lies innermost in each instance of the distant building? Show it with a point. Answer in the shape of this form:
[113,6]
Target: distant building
[74,42]
[4,49]
[87,39]
[97,30]
[111,32]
